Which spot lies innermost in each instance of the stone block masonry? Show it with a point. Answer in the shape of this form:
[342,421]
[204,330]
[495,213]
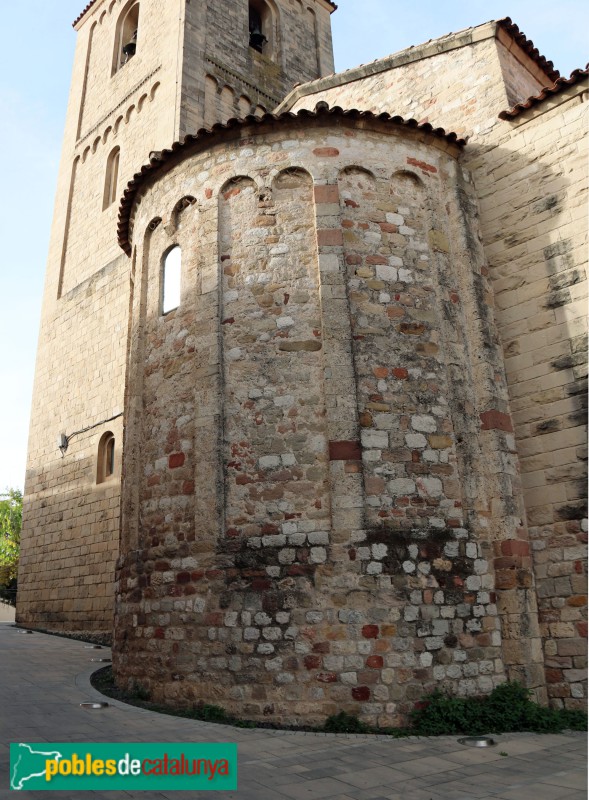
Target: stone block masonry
[321,508]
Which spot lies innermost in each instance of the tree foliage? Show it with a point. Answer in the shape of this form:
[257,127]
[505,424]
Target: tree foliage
[10,526]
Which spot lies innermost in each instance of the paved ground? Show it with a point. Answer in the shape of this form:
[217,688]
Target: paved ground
[44,678]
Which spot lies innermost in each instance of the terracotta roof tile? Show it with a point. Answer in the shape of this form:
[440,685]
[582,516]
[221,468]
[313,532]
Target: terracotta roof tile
[204,134]
[527,45]
[85,11]
[559,85]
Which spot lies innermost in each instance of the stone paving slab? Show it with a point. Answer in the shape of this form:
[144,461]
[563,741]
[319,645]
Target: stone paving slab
[45,678]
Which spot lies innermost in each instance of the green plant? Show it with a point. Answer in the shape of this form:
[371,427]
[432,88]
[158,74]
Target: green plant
[139,691]
[345,723]
[507,708]
[10,526]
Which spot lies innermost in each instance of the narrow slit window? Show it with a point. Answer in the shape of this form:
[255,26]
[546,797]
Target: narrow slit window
[172,280]
[111,178]
[106,457]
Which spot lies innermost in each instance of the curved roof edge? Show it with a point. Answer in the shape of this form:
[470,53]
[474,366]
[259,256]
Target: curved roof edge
[558,86]
[322,110]
[527,45]
[84,12]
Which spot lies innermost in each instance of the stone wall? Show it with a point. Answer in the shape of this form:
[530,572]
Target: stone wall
[321,490]
[533,216]
[459,82]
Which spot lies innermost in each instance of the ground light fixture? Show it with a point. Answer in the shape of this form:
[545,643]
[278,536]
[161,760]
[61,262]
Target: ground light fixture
[101,660]
[477,741]
[93,647]
[93,706]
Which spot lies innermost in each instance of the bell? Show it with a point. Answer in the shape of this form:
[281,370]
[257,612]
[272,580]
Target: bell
[129,49]
[257,39]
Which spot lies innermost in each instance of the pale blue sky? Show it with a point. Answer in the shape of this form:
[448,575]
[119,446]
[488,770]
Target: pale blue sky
[36,51]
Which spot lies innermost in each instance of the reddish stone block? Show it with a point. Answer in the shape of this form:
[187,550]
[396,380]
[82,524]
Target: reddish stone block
[159,633]
[578,601]
[515,547]
[345,451]
[326,194]
[505,579]
[376,260]
[361,693]
[582,629]
[370,631]
[326,677]
[330,237]
[326,152]
[188,487]
[183,577]
[208,193]
[375,662]
[321,647]
[554,675]
[312,662]
[176,460]
[496,420]
[351,203]
[380,372]
[386,227]
[422,165]
[401,373]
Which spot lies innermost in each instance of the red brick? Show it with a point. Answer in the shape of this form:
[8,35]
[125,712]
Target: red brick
[326,152]
[515,547]
[345,451]
[330,237]
[554,675]
[422,165]
[176,460]
[496,420]
[326,194]
[370,631]
[361,693]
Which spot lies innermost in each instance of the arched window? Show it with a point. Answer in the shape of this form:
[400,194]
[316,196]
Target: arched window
[111,177]
[261,28]
[105,467]
[126,36]
[171,279]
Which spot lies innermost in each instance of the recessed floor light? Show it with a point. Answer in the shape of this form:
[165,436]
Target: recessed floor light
[477,741]
[93,706]
[25,631]
[93,647]
[99,660]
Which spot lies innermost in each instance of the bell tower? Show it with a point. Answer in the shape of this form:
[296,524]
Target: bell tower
[145,74]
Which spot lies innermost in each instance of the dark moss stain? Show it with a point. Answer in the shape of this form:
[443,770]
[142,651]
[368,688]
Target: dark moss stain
[571,511]
[558,299]
[548,426]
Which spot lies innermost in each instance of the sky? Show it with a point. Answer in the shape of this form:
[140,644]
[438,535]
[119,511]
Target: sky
[36,54]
